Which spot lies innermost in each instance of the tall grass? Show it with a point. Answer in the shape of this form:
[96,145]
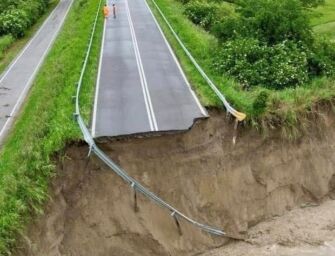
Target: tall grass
[46,125]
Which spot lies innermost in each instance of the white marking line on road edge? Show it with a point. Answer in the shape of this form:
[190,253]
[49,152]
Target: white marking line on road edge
[202,109]
[23,93]
[98,82]
[26,47]
[146,93]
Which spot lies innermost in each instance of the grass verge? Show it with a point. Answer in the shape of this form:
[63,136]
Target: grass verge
[324,13]
[46,124]
[323,20]
[286,109]
[7,56]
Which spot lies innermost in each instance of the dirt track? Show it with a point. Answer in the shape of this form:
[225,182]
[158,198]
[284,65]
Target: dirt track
[202,174]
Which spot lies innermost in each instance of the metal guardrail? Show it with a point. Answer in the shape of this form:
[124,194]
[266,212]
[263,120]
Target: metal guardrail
[239,116]
[136,186]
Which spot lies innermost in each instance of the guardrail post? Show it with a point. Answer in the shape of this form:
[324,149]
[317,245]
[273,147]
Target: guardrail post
[134,197]
[90,151]
[75,116]
[235,131]
[174,215]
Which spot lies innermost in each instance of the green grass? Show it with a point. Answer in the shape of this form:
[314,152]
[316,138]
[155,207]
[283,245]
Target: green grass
[323,20]
[46,125]
[286,109]
[13,49]
[327,29]
[324,13]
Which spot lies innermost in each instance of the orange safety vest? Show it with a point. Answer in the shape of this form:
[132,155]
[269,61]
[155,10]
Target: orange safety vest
[106,11]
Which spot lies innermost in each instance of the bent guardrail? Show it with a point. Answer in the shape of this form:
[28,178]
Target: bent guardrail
[239,115]
[135,185]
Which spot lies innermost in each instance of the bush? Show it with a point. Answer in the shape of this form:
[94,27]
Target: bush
[312,3]
[17,16]
[231,28]
[34,9]
[269,21]
[206,14]
[14,22]
[268,43]
[321,58]
[253,63]
[260,103]
[5,43]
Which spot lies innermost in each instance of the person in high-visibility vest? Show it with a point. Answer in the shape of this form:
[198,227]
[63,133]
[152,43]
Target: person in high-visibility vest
[106,11]
[114,11]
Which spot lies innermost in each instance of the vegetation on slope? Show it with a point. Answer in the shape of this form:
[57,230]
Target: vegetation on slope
[294,70]
[46,123]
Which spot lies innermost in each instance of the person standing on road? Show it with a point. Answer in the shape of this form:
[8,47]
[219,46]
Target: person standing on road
[106,11]
[114,11]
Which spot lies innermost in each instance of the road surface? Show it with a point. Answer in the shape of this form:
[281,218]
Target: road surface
[16,81]
[140,86]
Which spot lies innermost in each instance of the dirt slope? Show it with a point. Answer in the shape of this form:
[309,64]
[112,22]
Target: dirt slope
[199,172]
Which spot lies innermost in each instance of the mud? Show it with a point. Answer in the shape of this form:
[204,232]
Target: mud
[201,173]
[308,231]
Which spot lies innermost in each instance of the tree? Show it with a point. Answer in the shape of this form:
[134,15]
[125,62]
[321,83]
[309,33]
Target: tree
[269,21]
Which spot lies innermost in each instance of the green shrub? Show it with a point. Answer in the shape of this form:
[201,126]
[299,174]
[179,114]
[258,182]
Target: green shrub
[34,9]
[312,3]
[231,28]
[184,1]
[202,13]
[14,22]
[269,21]
[5,42]
[321,58]
[253,63]
[206,14]
[17,16]
[260,103]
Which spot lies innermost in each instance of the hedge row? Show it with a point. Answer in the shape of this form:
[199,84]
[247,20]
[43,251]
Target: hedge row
[16,16]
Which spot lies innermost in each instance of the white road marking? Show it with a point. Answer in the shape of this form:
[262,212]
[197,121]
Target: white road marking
[202,109]
[23,93]
[94,121]
[146,93]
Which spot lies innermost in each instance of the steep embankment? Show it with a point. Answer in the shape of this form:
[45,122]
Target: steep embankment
[200,172]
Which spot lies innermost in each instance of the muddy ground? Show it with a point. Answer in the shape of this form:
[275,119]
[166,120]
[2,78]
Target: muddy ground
[204,175]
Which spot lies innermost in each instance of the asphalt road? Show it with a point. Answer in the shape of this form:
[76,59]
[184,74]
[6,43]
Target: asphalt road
[140,86]
[16,81]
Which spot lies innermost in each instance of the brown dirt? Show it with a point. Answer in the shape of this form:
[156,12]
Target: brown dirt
[199,172]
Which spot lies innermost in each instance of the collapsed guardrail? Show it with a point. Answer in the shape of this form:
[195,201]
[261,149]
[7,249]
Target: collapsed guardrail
[136,186]
[238,115]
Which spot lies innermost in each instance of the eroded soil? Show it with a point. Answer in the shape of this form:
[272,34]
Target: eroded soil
[204,175]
